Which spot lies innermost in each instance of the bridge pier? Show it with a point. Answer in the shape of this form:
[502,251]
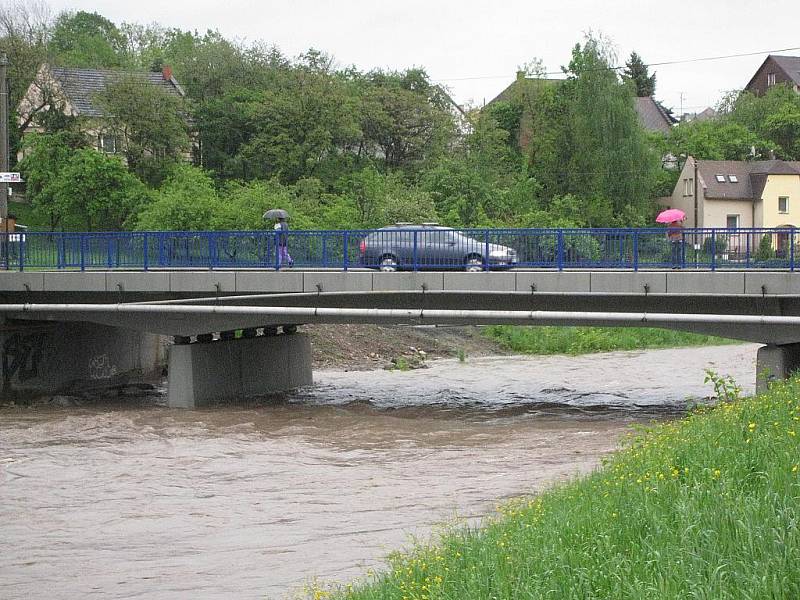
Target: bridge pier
[233,369]
[776,362]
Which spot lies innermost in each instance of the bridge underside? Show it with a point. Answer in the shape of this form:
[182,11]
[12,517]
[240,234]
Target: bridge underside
[755,307]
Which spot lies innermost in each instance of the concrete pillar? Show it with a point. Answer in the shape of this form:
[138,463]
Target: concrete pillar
[200,374]
[776,362]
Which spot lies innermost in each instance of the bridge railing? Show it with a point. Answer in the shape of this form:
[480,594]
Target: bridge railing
[428,248]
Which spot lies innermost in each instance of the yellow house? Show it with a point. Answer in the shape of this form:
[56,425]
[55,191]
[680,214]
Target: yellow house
[739,194]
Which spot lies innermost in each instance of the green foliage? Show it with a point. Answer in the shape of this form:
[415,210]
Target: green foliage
[149,123]
[83,39]
[718,139]
[71,187]
[703,507]
[186,201]
[636,72]
[765,250]
[583,340]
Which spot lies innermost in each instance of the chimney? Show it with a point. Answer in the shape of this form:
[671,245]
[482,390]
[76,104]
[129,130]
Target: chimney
[166,71]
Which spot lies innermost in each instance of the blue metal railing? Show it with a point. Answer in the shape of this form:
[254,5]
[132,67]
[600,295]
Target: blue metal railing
[405,249]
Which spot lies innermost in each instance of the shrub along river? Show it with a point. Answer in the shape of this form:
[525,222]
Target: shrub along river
[125,498]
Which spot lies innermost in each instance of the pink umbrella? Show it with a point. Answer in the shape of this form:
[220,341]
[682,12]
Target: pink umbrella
[671,215]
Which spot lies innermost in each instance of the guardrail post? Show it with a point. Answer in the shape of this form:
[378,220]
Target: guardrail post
[59,250]
[7,251]
[145,251]
[22,251]
[560,250]
[713,249]
[485,249]
[83,252]
[211,250]
[635,249]
[346,257]
[325,250]
[414,255]
[109,255]
[791,249]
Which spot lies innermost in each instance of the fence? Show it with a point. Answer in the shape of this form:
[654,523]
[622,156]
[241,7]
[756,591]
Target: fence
[410,249]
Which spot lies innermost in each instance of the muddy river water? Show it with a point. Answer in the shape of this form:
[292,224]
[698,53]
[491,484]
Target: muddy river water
[124,498]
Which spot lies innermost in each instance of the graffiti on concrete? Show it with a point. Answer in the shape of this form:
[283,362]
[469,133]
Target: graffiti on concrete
[22,356]
[100,367]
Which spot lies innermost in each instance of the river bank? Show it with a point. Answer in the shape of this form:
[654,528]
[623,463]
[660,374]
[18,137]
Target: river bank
[705,505]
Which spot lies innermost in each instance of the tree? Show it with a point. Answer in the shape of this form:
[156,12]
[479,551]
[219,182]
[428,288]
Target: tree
[720,139]
[74,187]
[599,149]
[186,201]
[637,73]
[83,39]
[149,123]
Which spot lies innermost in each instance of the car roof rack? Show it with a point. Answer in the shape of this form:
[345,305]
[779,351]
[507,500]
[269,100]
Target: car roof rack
[431,223]
[402,224]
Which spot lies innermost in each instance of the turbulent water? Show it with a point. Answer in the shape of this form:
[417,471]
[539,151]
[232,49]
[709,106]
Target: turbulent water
[123,498]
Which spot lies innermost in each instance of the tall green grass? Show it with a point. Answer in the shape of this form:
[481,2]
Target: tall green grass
[584,340]
[707,507]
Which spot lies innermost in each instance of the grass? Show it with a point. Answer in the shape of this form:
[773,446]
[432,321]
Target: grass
[707,507]
[584,340]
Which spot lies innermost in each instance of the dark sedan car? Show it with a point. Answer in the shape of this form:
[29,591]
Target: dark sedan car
[429,246]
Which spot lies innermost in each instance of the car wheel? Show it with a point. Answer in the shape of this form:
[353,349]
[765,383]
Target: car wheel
[473,264]
[388,264]
[289,329]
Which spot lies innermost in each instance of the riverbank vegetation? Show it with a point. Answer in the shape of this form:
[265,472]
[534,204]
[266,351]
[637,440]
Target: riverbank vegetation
[344,147]
[703,507]
[584,340]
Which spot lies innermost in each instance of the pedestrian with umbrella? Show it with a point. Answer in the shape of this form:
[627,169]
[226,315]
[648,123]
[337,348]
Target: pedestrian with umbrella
[281,229]
[674,218]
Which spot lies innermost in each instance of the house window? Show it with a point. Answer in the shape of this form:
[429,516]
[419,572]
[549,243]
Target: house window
[732,222]
[770,79]
[108,144]
[783,205]
[720,178]
[733,179]
[687,187]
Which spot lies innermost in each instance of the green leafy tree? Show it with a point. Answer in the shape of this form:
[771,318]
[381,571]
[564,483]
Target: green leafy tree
[637,73]
[186,201]
[84,39]
[719,139]
[74,187]
[149,123]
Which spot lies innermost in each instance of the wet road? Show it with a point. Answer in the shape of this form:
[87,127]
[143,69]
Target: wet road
[124,498]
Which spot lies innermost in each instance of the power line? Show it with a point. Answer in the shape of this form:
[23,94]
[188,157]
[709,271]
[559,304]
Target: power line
[653,64]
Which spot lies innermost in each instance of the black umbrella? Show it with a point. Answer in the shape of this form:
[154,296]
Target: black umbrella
[276,213]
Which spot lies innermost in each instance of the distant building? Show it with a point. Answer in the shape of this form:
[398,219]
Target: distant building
[773,71]
[74,92]
[706,115]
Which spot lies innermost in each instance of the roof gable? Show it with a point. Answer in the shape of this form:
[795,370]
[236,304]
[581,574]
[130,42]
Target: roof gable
[790,65]
[751,177]
[80,86]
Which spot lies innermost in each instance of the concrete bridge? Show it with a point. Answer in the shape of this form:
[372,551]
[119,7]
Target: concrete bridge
[97,326]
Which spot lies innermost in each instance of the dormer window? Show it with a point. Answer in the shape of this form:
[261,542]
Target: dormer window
[733,179]
[721,178]
[770,79]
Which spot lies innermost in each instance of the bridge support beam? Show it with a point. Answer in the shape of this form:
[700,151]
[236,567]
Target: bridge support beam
[224,370]
[776,362]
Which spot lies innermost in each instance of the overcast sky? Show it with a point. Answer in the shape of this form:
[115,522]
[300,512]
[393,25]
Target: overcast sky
[474,47]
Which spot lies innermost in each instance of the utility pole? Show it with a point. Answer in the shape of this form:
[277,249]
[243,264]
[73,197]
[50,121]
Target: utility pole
[4,138]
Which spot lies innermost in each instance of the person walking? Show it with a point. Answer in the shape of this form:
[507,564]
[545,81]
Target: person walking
[281,229]
[675,237]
